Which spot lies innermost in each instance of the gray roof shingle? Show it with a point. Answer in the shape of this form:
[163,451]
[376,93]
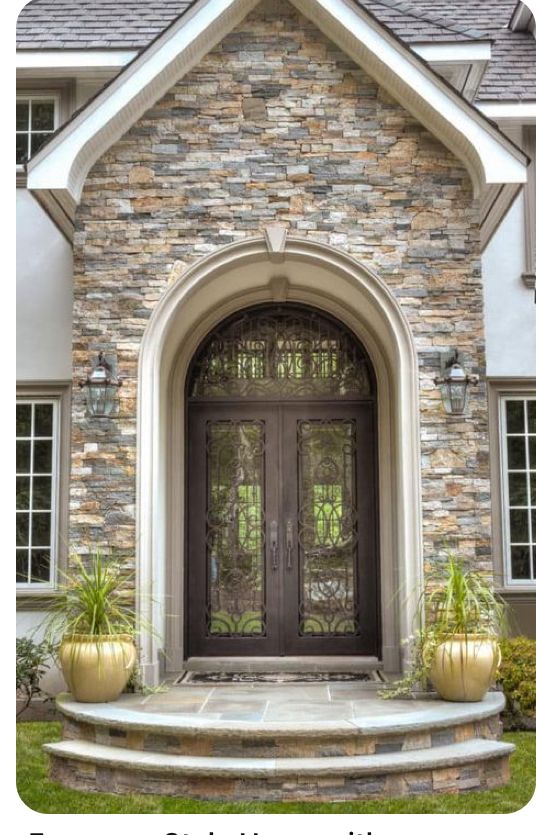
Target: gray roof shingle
[75,24]
[132,24]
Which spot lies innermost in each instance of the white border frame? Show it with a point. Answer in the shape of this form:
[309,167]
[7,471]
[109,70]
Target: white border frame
[40,94]
[508,581]
[55,492]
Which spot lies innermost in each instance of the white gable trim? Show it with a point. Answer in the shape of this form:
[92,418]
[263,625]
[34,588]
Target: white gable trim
[75,60]
[62,165]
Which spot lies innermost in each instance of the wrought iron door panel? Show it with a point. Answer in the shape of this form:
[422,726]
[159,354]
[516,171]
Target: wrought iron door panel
[235,528]
[327,527]
[230,494]
[281,488]
[330,588]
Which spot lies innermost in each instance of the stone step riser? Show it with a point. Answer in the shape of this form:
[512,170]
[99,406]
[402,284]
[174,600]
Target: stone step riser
[91,777]
[204,743]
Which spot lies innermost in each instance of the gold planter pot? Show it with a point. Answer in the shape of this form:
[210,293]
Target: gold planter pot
[464,667]
[97,667]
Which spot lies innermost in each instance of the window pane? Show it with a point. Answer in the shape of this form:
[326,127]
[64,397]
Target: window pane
[517,488]
[42,115]
[516,453]
[23,493]
[40,566]
[520,562]
[515,421]
[533,489]
[22,528]
[36,141]
[22,115]
[40,528]
[23,456]
[42,493]
[24,420]
[21,148]
[533,525]
[532,453]
[43,420]
[519,526]
[22,566]
[531,415]
[42,456]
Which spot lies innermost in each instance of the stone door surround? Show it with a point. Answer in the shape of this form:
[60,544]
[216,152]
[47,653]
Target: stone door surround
[240,275]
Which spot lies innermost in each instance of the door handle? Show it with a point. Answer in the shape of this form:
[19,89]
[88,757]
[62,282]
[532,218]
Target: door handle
[289,543]
[273,543]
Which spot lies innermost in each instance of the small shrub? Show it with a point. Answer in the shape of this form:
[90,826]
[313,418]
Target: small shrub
[33,661]
[517,677]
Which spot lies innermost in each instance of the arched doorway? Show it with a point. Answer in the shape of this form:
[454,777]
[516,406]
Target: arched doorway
[282,528]
[232,278]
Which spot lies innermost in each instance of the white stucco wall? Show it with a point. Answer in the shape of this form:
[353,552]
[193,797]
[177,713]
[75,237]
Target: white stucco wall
[509,306]
[44,295]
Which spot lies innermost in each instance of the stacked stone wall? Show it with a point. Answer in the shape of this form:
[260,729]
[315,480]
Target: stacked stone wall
[277,124]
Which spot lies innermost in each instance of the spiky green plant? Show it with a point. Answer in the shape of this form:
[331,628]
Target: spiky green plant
[456,601]
[94,599]
[460,601]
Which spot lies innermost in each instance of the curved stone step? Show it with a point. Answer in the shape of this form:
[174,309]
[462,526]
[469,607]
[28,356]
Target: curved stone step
[383,728]
[477,764]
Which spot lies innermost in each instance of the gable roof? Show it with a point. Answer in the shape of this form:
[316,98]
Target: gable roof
[133,24]
[56,174]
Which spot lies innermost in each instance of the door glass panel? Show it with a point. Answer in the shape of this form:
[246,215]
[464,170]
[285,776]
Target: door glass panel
[327,523]
[235,541]
[283,352]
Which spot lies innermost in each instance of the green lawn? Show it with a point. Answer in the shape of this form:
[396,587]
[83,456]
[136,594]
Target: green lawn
[42,796]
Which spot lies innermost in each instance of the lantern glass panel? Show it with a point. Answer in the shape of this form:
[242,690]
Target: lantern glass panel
[457,396]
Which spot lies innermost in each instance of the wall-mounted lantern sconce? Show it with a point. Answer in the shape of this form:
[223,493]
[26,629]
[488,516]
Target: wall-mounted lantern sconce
[454,385]
[101,388]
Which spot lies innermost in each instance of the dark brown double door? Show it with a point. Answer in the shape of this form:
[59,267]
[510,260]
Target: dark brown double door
[282,553]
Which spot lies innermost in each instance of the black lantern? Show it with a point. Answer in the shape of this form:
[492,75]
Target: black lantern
[101,388]
[454,385]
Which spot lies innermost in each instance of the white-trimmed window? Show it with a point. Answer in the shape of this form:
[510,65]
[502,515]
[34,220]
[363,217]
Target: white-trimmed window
[36,119]
[518,459]
[37,424]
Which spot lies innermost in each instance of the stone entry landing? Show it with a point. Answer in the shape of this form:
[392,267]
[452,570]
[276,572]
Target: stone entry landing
[330,741]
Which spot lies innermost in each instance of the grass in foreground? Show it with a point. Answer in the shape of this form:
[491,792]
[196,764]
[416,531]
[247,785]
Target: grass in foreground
[43,796]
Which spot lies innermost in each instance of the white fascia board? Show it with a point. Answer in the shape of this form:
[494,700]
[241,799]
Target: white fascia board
[74,59]
[64,162]
[522,112]
[62,165]
[489,157]
[454,53]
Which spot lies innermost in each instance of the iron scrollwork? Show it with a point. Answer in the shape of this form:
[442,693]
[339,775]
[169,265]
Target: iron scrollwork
[286,352]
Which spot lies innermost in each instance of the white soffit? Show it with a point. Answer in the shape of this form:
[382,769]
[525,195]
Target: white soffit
[523,113]
[465,52]
[57,173]
[461,64]
[72,60]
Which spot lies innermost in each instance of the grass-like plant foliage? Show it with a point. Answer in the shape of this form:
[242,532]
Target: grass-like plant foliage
[460,601]
[94,599]
[457,601]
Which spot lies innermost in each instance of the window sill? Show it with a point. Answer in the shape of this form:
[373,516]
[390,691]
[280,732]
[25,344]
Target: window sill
[35,599]
[517,591]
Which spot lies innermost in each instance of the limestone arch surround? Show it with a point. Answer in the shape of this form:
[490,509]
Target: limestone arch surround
[233,277]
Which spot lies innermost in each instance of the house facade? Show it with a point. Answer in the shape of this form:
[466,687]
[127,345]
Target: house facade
[280,224]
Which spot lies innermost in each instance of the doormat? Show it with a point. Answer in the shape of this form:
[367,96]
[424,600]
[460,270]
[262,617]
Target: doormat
[274,678]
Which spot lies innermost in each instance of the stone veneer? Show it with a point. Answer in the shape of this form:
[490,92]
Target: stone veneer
[276,123]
